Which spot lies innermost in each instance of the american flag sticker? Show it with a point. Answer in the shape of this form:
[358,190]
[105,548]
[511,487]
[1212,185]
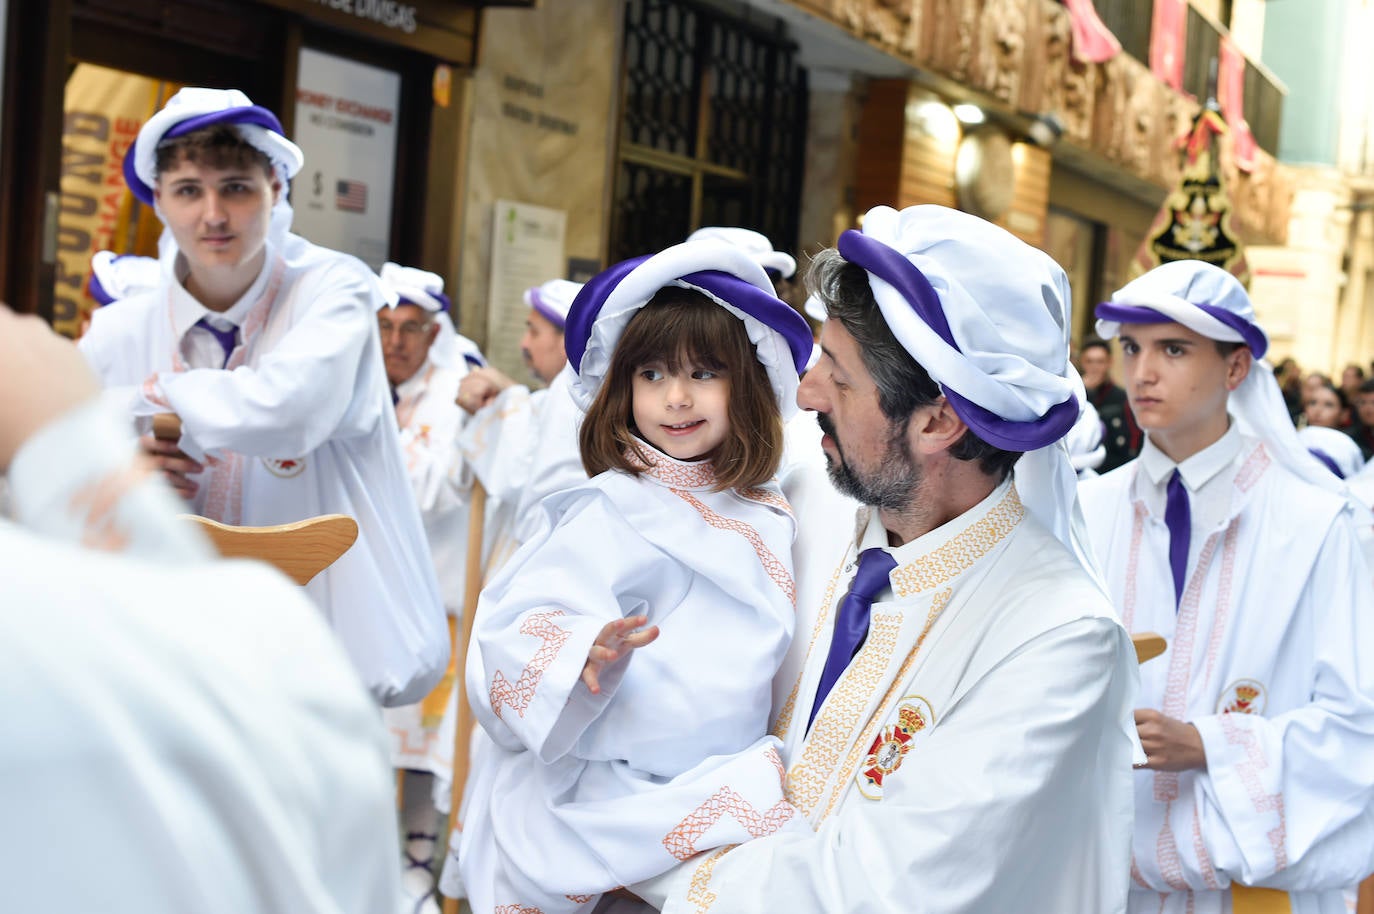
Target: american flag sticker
[351,196]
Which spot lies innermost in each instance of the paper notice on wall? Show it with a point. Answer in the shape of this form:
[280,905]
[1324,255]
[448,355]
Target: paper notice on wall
[526,250]
[346,116]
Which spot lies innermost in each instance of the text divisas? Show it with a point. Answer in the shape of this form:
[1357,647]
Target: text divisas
[387,13]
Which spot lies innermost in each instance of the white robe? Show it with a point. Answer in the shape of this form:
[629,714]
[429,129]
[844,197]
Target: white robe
[580,794]
[975,755]
[299,424]
[1275,626]
[523,447]
[430,423]
[159,754]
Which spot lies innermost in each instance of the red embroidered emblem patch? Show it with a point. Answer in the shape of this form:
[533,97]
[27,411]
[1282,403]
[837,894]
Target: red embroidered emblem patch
[1244,696]
[892,744]
[286,468]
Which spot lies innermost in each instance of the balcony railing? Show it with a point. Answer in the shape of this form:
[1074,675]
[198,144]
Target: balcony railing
[1130,21]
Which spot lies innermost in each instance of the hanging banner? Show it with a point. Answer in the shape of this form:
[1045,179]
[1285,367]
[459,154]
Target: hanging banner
[1195,221]
[1231,94]
[1168,40]
[346,116]
[103,111]
[1092,42]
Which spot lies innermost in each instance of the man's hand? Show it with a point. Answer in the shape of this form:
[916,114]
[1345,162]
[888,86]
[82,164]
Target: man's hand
[175,466]
[479,387]
[616,640]
[42,376]
[1170,745]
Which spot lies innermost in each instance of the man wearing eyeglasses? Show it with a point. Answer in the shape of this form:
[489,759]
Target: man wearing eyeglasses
[425,361]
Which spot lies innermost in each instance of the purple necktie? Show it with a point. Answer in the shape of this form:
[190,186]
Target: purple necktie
[228,339]
[851,622]
[1178,517]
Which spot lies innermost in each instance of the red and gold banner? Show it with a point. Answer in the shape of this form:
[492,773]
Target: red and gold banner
[103,112]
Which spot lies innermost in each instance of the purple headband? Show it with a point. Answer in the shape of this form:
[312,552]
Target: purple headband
[1326,460]
[444,301]
[98,292]
[888,265]
[537,303]
[245,114]
[1139,314]
[763,306]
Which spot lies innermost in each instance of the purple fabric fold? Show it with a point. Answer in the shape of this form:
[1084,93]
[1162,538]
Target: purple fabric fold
[247,114]
[1254,337]
[763,306]
[904,276]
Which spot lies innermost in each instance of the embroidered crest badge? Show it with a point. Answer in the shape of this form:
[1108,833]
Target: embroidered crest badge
[892,744]
[286,468]
[1244,696]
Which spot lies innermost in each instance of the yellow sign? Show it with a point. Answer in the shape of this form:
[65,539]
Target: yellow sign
[103,112]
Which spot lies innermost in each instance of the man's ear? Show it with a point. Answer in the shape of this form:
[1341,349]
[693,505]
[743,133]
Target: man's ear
[935,428]
[1238,365]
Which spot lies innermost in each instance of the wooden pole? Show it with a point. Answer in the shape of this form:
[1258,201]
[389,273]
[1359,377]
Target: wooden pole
[462,732]
[1365,902]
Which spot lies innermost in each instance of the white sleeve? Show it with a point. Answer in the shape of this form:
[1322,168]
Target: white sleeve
[439,475]
[1286,801]
[294,399]
[537,621]
[80,480]
[498,442]
[1008,810]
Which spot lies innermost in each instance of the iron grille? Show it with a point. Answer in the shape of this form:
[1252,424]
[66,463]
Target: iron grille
[714,127]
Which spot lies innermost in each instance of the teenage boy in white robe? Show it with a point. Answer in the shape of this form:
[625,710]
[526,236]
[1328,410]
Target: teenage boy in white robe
[1230,540]
[266,346]
[957,728]
[424,384]
[194,720]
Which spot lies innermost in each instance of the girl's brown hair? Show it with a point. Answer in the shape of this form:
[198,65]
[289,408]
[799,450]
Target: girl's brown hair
[682,328]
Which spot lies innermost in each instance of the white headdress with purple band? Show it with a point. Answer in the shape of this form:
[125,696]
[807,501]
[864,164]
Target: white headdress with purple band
[1336,450]
[987,316]
[115,276]
[425,290]
[193,108]
[753,243]
[1210,301]
[725,275]
[553,299]
[413,286]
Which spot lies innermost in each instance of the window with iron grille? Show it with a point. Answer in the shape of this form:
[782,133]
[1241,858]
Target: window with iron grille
[714,127]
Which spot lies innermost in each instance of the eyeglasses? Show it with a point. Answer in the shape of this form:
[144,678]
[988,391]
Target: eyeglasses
[410,329]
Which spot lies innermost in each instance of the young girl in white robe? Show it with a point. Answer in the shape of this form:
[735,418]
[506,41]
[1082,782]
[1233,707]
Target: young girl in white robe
[622,660]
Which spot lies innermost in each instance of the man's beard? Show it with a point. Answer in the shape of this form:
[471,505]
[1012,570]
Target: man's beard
[894,483]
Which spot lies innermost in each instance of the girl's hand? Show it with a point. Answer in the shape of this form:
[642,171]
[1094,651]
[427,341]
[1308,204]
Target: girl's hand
[616,640]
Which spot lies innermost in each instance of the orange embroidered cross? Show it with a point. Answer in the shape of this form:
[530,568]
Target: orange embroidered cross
[681,841]
[519,695]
